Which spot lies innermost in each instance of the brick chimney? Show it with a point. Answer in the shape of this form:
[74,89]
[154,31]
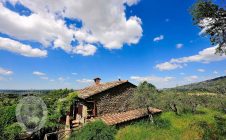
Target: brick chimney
[97,81]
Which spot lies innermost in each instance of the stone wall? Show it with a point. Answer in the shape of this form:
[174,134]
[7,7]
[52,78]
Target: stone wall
[117,99]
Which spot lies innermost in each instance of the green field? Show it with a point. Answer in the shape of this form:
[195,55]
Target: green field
[169,126]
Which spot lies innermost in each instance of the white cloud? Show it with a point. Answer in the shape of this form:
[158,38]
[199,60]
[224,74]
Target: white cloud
[85,50]
[103,22]
[152,79]
[201,70]
[191,78]
[179,46]
[5,71]
[205,56]
[84,80]
[17,47]
[38,73]
[159,38]
[167,66]
[215,72]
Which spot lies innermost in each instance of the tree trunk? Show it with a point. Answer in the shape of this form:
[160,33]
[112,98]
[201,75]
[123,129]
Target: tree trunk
[150,116]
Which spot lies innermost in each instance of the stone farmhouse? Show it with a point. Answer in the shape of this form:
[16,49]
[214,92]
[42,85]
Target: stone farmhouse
[110,102]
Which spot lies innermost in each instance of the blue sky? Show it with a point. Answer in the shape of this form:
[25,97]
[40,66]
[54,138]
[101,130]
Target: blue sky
[55,47]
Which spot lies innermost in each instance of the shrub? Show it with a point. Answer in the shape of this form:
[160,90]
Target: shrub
[95,131]
[205,130]
[221,126]
[162,123]
[12,131]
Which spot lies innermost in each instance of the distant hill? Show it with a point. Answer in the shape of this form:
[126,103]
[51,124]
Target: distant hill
[217,85]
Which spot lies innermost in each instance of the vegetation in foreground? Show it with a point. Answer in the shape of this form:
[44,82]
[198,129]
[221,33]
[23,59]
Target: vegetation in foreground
[10,129]
[97,130]
[208,124]
[187,115]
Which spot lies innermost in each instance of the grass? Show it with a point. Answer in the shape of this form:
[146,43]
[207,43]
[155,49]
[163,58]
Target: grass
[181,127]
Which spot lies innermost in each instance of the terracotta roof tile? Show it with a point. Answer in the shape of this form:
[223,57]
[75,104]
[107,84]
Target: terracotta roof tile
[117,118]
[95,89]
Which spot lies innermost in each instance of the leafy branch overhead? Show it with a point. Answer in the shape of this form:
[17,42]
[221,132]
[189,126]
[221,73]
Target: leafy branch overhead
[211,18]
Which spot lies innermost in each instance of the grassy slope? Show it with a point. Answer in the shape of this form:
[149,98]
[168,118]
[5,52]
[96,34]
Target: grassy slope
[179,129]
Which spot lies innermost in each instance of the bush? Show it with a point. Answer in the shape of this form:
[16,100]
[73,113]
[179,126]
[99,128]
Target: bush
[205,130]
[12,131]
[221,126]
[95,131]
[162,123]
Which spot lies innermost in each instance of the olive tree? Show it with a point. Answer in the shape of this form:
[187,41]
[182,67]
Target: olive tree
[211,18]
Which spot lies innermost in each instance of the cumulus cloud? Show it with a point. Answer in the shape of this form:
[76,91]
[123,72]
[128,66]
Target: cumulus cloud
[85,50]
[84,80]
[179,46]
[38,73]
[201,70]
[5,71]
[167,66]
[103,22]
[159,38]
[158,81]
[17,47]
[205,56]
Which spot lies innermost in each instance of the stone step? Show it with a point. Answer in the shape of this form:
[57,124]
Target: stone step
[75,122]
[75,125]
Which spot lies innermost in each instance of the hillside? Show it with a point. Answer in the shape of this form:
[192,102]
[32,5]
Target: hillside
[217,85]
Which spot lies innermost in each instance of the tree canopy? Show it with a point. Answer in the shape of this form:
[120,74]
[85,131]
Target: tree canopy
[211,18]
[144,95]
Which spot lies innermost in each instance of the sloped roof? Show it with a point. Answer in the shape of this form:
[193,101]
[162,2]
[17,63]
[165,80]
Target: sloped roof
[95,89]
[117,118]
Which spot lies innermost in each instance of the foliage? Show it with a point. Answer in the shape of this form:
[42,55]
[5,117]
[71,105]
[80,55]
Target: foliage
[8,126]
[52,101]
[7,117]
[183,102]
[95,131]
[144,95]
[186,126]
[12,131]
[162,123]
[221,126]
[207,131]
[64,104]
[216,85]
[212,19]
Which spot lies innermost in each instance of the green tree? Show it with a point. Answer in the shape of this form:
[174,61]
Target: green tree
[12,131]
[211,18]
[97,130]
[145,95]
[7,117]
